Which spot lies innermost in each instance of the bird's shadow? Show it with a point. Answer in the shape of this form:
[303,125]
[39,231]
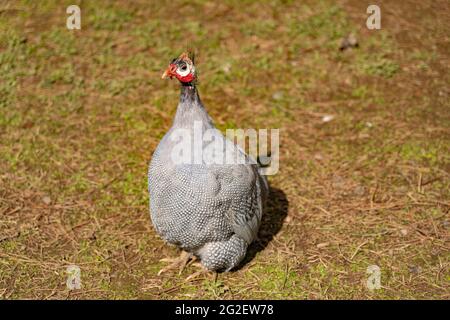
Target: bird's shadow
[275,212]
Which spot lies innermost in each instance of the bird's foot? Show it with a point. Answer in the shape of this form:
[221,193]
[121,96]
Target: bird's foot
[179,263]
[203,271]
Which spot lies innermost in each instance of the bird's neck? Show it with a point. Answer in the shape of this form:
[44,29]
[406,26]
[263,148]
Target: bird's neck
[189,94]
[190,108]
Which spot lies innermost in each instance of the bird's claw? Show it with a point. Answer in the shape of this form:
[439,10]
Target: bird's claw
[202,271]
[181,262]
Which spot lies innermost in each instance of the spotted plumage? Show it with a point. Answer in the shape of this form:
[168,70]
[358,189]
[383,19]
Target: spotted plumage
[211,210]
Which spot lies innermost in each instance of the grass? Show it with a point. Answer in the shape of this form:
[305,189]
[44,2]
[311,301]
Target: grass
[82,110]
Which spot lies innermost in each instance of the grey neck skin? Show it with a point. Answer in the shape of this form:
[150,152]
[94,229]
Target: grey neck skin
[191,109]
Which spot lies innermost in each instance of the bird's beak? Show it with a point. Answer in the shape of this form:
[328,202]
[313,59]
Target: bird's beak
[169,72]
[165,74]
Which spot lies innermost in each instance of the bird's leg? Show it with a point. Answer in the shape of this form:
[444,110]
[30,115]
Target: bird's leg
[202,271]
[180,263]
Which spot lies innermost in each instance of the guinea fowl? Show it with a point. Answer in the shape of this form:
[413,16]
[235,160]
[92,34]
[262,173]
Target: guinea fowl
[210,210]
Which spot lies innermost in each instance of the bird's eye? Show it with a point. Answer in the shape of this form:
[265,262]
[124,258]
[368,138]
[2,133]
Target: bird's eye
[184,70]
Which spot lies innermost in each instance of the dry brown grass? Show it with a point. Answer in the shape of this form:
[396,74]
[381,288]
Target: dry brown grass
[80,114]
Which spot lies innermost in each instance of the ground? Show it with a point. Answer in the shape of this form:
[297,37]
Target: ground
[81,112]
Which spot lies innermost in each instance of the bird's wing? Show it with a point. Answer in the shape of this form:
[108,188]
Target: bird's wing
[245,210]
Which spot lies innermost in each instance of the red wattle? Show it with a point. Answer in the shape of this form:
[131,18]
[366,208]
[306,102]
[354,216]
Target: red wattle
[187,78]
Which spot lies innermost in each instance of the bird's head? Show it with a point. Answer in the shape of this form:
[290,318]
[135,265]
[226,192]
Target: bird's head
[181,68]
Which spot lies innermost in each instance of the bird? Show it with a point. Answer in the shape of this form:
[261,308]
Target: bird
[209,209]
